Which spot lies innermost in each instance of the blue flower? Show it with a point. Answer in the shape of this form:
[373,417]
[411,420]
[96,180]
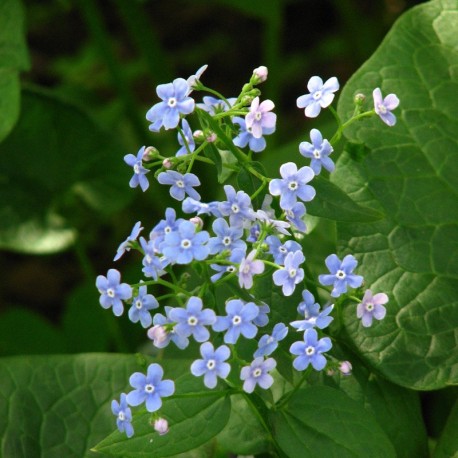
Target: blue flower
[153,265]
[257,373]
[341,274]
[181,184]
[318,151]
[193,80]
[165,321]
[249,267]
[237,207]
[235,257]
[228,238]
[295,215]
[125,246]
[268,344]
[320,96]
[189,139]
[139,177]
[291,274]
[175,101]
[212,364]
[165,226]
[260,118]
[371,307]
[293,185]
[184,245]
[195,206]
[213,105]
[383,106]
[279,250]
[112,291]
[238,321]
[276,224]
[255,232]
[310,310]
[192,320]
[141,305]
[263,317]
[245,137]
[310,351]
[123,414]
[150,389]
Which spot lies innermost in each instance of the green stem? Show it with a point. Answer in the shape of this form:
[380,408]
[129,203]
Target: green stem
[288,395]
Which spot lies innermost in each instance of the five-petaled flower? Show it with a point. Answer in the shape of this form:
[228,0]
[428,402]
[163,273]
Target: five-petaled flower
[371,307]
[180,184]
[384,106]
[150,388]
[318,151]
[212,365]
[136,163]
[320,96]
[257,373]
[112,291]
[260,117]
[123,415]
[309,351]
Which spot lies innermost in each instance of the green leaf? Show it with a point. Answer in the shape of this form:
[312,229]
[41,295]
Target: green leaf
[13,58]
[193,420]
[59,405]
[243,434]
[322,421]
[396,409]
[447,445]
[25,332]
[409,173]
[333,203]
[247,182]
[54,157]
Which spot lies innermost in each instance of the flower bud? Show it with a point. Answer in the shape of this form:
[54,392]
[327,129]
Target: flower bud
[167,163]
[161,426]
[345,368]
[259,74]
[150,153]
[157,334]
[198,135]
[197,221]
[359,99]
[210,137]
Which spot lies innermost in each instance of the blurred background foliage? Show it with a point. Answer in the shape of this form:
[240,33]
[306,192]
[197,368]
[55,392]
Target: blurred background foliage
[65,203]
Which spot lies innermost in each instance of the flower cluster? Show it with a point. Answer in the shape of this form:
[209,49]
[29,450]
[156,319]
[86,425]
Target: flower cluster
[231,241]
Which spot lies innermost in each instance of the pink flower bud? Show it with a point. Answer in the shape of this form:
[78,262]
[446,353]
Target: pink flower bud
[197,221]
[260,74]
[198,135]
[167,163]
[211,137]
[345,368]
[149,153]
[157,334]
[161,426]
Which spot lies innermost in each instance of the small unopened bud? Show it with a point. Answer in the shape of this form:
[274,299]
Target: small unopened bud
[157,334]
[198,135]
[197,221]
[345,368]
[259,74]
[359,99]
[161,426]
[330,372]
[167,163]
[150,153]
[211,137]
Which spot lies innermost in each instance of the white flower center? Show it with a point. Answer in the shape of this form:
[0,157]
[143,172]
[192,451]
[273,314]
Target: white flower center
[149,388]
[138,304]
[270,339]
[148,259]
[186,243]
[282,249]
[110,292]
[231,269]
[317,95]
[236,320]
[292,185]
[172,102]
[258,116]
[180,183]
[211,363]
[192,321]
[235,208]
[382,108]
[292,273]
[316,154]
[227,241]
[137,168]
[246,269]
[167,230]
[369,306]
[340,274]
[310,350]
[257,372]
[121,415]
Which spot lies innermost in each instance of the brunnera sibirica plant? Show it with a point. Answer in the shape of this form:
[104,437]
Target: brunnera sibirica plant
[207,265]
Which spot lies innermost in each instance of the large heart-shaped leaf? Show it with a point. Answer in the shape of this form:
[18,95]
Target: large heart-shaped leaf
[409,172]
[13,58]
[54,154]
